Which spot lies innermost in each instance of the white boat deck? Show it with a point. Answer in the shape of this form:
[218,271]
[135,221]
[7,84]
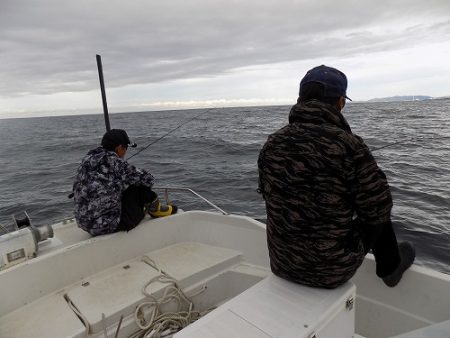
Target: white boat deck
[40,318]
[118,291]
[226,258]
[438,330]
[284,309]
[106,296]
[277,308]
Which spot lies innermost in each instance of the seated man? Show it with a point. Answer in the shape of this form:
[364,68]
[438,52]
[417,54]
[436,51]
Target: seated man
[109,193]
[328,203]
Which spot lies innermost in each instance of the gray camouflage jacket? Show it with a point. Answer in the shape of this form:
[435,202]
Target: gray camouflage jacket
[315,175]
[100,180]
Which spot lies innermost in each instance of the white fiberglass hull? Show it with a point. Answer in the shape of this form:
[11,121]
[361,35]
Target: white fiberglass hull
[222,254]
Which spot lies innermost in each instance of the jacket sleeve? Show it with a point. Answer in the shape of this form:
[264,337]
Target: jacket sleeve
[131,175]
[372,196]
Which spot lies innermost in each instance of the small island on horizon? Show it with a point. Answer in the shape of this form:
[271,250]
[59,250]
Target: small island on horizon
[402,98]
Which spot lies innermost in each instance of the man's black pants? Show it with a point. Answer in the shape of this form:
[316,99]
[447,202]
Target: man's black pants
[384,247]
[133,200]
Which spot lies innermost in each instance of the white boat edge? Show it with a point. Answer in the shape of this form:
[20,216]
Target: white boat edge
[419,302]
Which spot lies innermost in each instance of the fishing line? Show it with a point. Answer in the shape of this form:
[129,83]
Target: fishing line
[170,132]
[409,140]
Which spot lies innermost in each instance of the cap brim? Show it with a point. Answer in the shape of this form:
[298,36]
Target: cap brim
[348,98]
[132,145]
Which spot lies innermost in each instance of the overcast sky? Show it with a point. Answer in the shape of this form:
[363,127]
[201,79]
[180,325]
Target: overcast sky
[169,54]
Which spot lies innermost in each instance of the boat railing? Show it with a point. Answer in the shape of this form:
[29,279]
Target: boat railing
[166,196]
[6,229]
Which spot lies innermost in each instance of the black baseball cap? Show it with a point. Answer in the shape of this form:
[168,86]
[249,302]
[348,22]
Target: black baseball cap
[116,137]
[333,80]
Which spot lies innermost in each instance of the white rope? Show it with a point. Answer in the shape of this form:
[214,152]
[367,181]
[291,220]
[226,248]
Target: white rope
[79,314]
[159,324]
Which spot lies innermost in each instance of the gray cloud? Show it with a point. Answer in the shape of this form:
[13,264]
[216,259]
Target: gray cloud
[50,46]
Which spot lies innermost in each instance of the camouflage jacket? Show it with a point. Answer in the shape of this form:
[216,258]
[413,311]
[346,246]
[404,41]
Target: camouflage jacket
[315,175]
[100,180]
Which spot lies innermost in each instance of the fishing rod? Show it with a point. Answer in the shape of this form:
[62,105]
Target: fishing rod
[408,140]
[106,114]
[387,145]
[170,132]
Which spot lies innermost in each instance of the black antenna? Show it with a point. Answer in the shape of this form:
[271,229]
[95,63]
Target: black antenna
[102,87]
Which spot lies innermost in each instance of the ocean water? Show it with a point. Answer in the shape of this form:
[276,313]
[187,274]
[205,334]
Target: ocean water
[215,154]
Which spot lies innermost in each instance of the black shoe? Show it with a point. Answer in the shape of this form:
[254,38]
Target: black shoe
[407,255]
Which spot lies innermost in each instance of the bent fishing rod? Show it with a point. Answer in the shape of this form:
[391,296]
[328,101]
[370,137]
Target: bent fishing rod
[170,132]
[409,140]
[106,114]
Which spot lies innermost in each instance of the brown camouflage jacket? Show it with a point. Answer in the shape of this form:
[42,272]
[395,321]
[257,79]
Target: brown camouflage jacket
[315,176]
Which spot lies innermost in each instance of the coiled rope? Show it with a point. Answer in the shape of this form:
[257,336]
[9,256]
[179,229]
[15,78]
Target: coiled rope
[157,324]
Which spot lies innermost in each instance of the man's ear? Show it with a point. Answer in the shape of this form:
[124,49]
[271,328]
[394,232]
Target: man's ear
[340,103]
[118,150]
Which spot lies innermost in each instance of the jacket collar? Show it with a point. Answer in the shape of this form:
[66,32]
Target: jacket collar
[317,112]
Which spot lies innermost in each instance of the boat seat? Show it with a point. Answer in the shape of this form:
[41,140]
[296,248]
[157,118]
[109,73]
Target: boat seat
[285,310]
[33,320]
[438,330]
[118,290]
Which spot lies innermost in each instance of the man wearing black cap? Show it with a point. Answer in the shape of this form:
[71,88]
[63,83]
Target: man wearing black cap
[328,203]
[109,193]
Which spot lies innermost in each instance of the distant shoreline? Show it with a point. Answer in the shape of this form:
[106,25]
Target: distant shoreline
[402,98]
[87,112]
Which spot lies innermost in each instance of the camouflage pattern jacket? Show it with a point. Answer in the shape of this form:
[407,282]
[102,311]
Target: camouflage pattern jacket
[101,178]
[315,176]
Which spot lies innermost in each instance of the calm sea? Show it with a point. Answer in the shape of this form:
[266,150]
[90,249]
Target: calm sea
[215,154]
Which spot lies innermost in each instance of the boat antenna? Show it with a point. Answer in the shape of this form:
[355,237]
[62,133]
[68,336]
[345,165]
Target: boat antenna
[102,87]
[170,132]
